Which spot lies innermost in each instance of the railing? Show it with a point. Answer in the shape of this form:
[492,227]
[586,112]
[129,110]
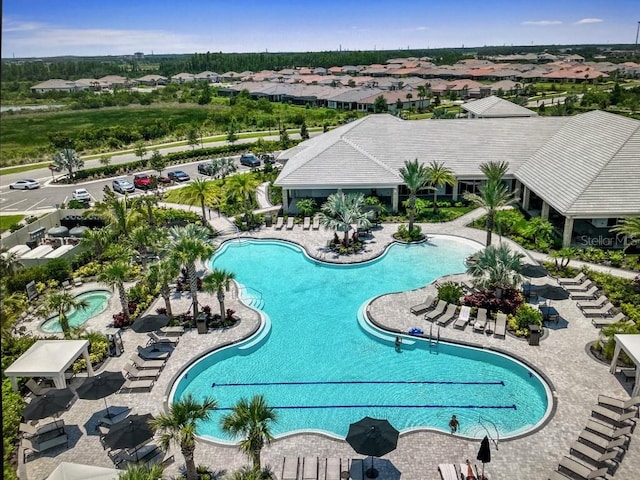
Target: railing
[495,428]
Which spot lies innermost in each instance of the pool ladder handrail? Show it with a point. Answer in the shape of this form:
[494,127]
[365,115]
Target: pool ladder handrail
[493,440]
[431,335]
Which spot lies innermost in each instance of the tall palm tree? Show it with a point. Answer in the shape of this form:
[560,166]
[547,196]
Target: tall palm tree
[9,263]
[414,176]
[186,246]
[179,426]
[146,203]
[97,240]
[202,191]
[340,211]
[241,187]
[218,281]
[493,195]
[115,274]
[495,267]
[629,226]
[143,239]
[251,419]
[438,175]
[161,275]
[68,159]
[119,214]
[61,302]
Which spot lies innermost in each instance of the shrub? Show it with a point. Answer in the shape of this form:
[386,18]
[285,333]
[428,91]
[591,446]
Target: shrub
[57,269]
[405,235]
[509,301]
[12,406]
[525,315]
[450,292]
[18,281]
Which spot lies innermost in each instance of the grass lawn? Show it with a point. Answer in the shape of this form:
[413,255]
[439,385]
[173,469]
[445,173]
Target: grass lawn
[7,221]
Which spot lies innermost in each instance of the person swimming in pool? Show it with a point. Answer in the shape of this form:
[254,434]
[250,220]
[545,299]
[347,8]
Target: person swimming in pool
[454,424]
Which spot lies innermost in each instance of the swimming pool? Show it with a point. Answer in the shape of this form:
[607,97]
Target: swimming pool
[98,302]
[323,371]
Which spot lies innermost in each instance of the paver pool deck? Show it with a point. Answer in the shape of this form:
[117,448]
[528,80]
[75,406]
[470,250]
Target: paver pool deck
[562,357]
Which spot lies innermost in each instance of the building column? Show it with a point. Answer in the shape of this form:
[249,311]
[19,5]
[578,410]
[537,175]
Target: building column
[567,232]
[454,195]
[285,201]
[394,200]
[87,358]
[614,360]
[517,189]
[525,197]
[544,213]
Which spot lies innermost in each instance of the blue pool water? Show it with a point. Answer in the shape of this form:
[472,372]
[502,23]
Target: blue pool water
[323,371]
[98,302]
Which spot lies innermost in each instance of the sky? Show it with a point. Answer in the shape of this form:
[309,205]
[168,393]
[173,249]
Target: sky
[44,28]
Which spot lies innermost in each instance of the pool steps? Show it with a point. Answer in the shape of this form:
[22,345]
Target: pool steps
[261,335]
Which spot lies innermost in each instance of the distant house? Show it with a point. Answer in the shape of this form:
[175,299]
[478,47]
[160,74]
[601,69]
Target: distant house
[116,81]
[495,107]
[152,80]
[55,85]
[183,78]
[231,76]
[206,76]
[395,100]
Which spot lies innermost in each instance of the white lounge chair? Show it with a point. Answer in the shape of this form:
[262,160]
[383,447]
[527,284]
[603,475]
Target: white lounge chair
[332,469]
[481,320]
[67,285]
[36,389]
[154,338]
[290,221]
[310,468]
[501,325]
[448,471]
[617,404]
[436,312]
[604,311]
[446,318]
[589,294]
[607,431]
[598,442]
[581,287]
[580,469]
[463,317]
[130,385]
[579,278]
[41,427]
[33,446]
[601,300]
[591,455]
[614,418]
[279,223]
[77,281]
[290,468]
[145,364]
[316,223]
[133,373]
[423,307]
[306,225]
[601,322]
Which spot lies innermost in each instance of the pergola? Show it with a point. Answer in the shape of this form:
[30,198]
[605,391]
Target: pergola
[630,343]
[49,358]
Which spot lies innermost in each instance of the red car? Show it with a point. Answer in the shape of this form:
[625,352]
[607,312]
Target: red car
[142,181]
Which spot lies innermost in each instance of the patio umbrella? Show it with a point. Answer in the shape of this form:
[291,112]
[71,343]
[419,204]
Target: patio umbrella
[149,323]
[484,454]
[51,403]
[130,433]
[533,271]
[552,292]
[101,386]
[372,436]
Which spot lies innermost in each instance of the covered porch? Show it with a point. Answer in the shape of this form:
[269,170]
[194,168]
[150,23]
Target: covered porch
[629,344]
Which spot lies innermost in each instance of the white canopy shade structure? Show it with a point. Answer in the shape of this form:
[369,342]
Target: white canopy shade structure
[77,471]
[49,358]
[630,344]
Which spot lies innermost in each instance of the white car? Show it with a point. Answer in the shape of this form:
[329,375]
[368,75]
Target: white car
[25,184]
[81,195]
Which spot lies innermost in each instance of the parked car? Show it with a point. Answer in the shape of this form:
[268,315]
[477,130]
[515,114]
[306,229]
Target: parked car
[205,168]
[81,195]
[249,160]
[268,158]
[142,181]
[25,184]
[179,176]
[123,186]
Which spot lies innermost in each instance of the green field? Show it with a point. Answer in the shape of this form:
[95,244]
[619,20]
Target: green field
[7,221]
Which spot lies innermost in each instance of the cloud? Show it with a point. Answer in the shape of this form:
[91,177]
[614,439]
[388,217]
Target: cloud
[422,28]
[588,20]
[542,23]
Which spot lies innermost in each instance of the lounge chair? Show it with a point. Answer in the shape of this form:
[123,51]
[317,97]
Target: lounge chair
[481,320]
[77,281]
[599,443]
[584,286]
[306,224]
[153,353]
[133,373]
[154,338]
[592,455]
[556,475]
[468,287]
[41,427]
[501,325]
[463,317]
[290,468]
[130,385]
[143,364]
[604,311]
[310,468]
[580,470]
[332,469]
[279,223]
[290,221]
[578,279]
[614,418]
[601,322]
[33,446]
[448,471]
[436,312]
[602,299]
[448,315]
[356,469]
[589,294]
[67,285]
[607,432]
[316,223]
[172,331]
[108,421]
[36,389]
[619,405]
[137,457]
[423,307]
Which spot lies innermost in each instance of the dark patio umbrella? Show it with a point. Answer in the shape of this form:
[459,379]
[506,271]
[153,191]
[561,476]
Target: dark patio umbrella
[101,386]
[372,436]
[552,292]
[51,403]
[484,454]
[533,271]
[149,323]
[129,433]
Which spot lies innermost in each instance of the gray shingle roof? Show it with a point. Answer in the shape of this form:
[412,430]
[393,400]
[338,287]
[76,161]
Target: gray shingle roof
[493,106]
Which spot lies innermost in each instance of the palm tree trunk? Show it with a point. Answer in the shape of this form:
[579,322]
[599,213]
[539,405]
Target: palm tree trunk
[192,473]
[490,214]
[412,209]
[152,220]
[204,214]
[193,287]
[64,324]
[222,310]
[166,296]
[124,302]
[435,201]
[257,464]
[345,240]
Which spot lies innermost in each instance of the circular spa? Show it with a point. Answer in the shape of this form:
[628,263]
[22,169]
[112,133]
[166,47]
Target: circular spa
[98,301]
[322,366]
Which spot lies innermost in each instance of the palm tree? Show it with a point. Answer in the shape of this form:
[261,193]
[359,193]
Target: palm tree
[494,194]
[202,191]
[61,302]
[438,175]
[142,472]
[97,240]
[119,214]
[422,93]
[67,159]
[179,426]
[9,263]
[630,227]
[241,187]
[187,245]
[218,281]
[146,203]
[414,176]
[142,239]
[251,419]
[161,275]
[12,306]
[115,274]
[495,267]
[340,211]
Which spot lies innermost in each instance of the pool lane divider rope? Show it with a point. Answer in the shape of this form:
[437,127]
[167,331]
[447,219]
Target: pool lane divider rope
[308,407]
[356,382]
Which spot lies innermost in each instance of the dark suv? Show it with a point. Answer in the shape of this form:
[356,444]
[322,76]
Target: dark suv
[268,158]
[142,181]
[205,168]
[249,160]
